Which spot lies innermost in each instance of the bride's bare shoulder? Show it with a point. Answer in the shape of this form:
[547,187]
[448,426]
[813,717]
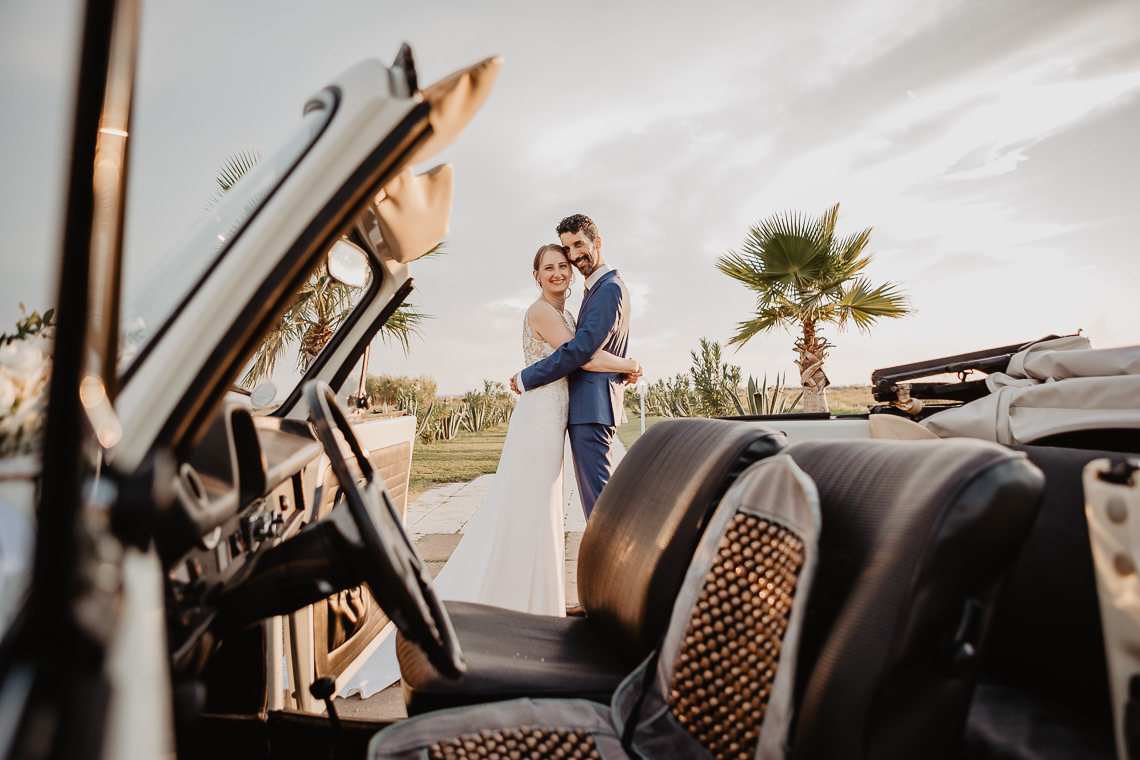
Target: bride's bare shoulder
[541,310]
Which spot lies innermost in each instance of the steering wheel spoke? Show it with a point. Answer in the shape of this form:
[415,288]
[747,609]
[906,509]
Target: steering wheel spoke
[389,562]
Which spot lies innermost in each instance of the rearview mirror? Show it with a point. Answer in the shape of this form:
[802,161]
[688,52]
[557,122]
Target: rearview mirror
[348,264]
[263,395]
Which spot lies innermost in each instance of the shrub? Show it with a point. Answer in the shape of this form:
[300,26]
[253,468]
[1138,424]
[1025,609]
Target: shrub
[716,384]
[389,392]
[712,388]
[670,398]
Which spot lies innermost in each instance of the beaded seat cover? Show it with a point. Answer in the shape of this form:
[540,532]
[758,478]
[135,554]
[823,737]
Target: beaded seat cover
[723,683]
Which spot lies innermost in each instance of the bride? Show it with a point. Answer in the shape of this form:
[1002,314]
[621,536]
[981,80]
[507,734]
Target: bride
[513,552]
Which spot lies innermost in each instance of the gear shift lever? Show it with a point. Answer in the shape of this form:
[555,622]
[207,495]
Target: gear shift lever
[323,689]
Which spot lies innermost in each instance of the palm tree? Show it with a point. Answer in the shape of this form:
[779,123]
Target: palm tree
[320,305]
[318,309]
[805,276]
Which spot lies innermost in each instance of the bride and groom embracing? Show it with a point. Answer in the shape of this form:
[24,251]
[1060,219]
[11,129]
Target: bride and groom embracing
[512,553]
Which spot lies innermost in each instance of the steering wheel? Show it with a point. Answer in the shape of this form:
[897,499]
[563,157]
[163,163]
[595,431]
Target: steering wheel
[388,562]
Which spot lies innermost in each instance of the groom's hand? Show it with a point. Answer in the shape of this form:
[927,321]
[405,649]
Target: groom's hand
[630,378]
[514,383]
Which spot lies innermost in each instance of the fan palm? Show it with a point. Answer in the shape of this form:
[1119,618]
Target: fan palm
[805,276]
[318,309]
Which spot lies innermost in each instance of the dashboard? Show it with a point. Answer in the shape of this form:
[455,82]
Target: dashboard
[247,486]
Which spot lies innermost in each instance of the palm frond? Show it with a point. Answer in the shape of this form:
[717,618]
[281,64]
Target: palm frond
[235,166]
[864,304]
[826,225]
[405,322]
[787,249]
[265,360]
[765,320]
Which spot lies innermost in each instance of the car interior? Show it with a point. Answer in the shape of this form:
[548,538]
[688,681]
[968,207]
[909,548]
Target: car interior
[926,610]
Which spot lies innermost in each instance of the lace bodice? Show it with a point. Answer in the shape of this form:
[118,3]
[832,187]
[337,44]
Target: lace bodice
[535,348]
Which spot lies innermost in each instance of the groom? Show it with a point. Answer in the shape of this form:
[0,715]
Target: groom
[596,407]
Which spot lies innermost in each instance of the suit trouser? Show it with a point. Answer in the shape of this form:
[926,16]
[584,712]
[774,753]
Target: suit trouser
[593,462]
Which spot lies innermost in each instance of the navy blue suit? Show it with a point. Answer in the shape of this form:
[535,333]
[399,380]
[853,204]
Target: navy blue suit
[596,398]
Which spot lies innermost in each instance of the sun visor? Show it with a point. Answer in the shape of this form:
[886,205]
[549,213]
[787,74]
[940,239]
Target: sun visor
[412,212]
[454,100]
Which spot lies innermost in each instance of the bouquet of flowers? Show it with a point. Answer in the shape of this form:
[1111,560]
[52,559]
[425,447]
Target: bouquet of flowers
[25,366]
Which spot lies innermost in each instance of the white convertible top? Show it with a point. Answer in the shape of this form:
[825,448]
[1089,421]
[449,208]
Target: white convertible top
[1055,386]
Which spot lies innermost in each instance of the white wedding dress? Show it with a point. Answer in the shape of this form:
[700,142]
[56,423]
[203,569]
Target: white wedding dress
[513,553]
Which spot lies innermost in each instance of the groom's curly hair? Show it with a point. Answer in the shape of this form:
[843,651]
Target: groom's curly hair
[578,223]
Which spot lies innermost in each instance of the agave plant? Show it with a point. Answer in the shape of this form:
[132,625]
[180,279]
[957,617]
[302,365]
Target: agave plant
[411,405]
[488,407]
[760,401]
[451,421]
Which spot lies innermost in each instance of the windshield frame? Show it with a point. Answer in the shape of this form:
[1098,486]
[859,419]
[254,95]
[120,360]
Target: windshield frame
[327,102]
[377,278]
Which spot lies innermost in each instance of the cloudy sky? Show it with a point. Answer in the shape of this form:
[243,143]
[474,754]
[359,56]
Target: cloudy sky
[993,147]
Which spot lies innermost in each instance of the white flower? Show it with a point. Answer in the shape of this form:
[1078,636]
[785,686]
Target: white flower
[7,392]
[25,366]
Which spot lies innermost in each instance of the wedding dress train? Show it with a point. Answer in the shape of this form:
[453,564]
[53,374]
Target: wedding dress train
[513,552]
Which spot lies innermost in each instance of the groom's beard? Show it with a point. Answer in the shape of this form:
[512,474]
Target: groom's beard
[585,265]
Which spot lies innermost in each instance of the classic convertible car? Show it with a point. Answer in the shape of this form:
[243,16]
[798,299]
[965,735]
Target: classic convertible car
[204,562]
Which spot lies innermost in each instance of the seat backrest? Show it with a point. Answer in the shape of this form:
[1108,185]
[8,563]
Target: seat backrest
[722,683]
[917,537]
[1047,638]
[647,521]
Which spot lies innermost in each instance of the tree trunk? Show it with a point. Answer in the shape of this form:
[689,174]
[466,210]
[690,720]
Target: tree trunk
[815,400]
[812,348]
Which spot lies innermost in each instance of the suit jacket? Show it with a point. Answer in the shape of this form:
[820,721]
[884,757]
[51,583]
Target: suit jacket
[603,323]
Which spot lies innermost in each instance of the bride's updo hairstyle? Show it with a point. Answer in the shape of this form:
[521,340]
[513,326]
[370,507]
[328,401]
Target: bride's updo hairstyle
[551,247]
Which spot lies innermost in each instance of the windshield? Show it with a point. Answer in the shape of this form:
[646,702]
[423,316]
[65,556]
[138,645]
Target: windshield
[316,311]
[149,303]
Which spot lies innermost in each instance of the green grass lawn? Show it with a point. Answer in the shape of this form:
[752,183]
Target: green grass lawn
[464,458]
[631,431]
[470,455]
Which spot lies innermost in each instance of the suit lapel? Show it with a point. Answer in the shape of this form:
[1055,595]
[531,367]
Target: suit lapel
[590,291]
[585,300]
